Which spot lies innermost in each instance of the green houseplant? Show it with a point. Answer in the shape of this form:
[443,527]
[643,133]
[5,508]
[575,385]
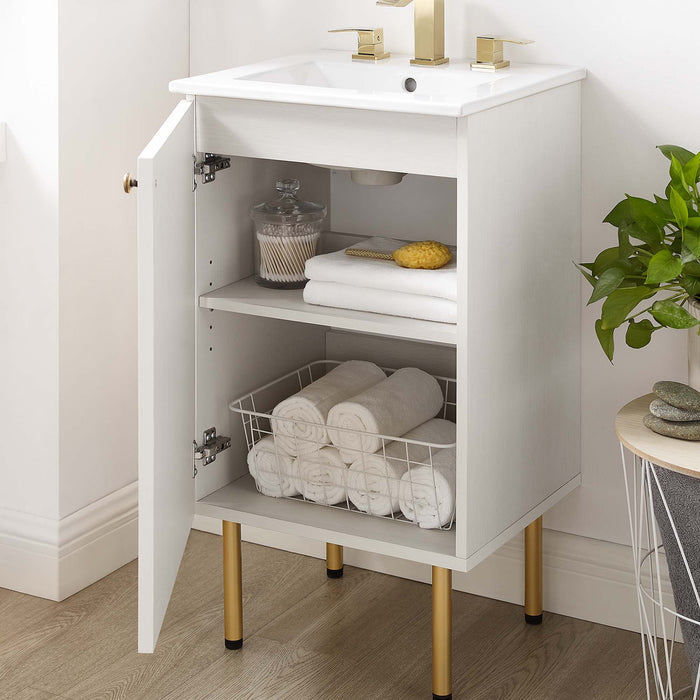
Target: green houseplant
[648,279]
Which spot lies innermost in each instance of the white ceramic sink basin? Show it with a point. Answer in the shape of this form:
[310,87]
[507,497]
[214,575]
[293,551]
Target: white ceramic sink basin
[331,78]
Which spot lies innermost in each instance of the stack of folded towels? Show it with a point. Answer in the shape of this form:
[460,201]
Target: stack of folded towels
[325,445]
[381,286]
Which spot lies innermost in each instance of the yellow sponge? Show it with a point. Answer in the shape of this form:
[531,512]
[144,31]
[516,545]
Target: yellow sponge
[424,255]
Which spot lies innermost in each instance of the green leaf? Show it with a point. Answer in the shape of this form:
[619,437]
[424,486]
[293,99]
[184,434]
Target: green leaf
[683,154]
[644,231]
[605,338]
[665,206]
[679,208]
[692,268]
[691,240]
[620,303]
[678,182]
[663,267]
[623,243]
[641,209]
[639,334]
[606,258]
[691,285]
[690,169]
[672,315]
[619,215]
[586,274]
[693,222]
[608,282]
[686,254]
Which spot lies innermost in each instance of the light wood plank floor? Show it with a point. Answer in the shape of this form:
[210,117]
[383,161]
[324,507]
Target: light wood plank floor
[361,637]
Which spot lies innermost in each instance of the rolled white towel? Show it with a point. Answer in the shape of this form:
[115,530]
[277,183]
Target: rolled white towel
[306,412]
[272,468]
[427,495]
[373,480]
[392,407]
[321,476]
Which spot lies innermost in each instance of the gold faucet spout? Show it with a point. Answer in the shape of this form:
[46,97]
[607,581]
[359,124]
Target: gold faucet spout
[429,29]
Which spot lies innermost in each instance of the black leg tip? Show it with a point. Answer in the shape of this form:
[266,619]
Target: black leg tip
[334,573]
[533,619]
[233,643]
[442,697]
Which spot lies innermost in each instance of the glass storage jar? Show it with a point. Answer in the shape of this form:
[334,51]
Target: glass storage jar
[287,231]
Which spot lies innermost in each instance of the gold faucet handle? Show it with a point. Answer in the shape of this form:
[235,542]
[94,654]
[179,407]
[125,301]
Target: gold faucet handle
[489,52]
[370,43]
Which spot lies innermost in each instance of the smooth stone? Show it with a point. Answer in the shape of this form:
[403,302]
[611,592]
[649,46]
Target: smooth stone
[678,395]
[682,431]
[664,410]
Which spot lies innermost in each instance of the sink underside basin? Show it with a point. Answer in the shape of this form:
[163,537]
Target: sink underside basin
[332,79]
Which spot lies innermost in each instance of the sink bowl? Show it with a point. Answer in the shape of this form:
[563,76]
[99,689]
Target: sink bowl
[331,78]
[369,78]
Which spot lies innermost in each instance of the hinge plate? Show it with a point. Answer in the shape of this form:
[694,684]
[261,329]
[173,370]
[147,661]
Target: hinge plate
[206,453]
[211,165]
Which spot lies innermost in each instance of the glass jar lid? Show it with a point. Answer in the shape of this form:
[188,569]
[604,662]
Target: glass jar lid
[287,209]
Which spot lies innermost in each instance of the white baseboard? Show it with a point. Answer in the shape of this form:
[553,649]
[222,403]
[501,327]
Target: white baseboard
[55,558]
[583,578]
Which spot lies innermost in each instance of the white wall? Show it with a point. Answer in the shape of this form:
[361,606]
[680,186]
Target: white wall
[639,93]
[226,33]
[84,87]
[116,58]
[29,258]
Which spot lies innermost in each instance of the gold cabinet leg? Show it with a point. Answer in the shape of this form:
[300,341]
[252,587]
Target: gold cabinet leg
[442,633]
[533,573]
[233,586]
[334,560]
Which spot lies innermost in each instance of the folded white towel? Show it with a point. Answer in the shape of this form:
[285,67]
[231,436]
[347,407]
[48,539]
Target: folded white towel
[392,407]
[382,274]
[427,495]
[322,476]
[373,480]
[274,471]
[345,296]
[302,425]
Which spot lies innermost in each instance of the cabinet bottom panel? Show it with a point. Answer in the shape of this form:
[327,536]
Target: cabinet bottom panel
[240,501]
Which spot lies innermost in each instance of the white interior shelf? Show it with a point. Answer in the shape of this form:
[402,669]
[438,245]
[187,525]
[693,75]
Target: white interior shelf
[247,297]
[239,501]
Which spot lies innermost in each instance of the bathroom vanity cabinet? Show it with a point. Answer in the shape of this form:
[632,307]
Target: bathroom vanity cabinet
[501,181]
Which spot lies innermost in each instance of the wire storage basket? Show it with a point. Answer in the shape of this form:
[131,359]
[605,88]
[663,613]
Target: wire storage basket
[407,480]
[658,535]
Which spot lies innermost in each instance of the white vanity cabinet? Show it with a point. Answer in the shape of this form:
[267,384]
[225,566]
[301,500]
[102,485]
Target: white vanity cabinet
[506,180]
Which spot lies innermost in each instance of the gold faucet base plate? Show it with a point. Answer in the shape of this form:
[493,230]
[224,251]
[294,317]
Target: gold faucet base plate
[367,57]
[429,61]
[489,67]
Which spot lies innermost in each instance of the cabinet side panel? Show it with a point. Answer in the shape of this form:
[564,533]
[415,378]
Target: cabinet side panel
[238,353]
[523,297]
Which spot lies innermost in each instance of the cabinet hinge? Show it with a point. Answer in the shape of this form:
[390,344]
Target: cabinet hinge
[211,165]
[206,453]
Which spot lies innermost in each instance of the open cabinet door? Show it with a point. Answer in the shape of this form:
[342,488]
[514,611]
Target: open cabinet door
[166,363]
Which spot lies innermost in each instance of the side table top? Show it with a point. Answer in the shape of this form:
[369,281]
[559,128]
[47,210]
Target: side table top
[678,455]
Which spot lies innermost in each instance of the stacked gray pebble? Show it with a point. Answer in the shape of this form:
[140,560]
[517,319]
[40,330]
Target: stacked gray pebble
[675,412]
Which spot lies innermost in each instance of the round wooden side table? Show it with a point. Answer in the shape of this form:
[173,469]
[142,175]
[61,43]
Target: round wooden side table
[662,480]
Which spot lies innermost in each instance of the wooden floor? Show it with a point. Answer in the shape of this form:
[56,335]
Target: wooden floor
[364,636]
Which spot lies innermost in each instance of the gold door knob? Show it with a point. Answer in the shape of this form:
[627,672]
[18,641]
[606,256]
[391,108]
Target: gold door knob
[128,182]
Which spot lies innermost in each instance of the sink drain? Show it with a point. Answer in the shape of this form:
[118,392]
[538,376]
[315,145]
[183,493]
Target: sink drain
[410,85]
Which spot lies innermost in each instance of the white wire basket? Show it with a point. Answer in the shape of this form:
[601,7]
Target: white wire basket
[659,619]
[402,481]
